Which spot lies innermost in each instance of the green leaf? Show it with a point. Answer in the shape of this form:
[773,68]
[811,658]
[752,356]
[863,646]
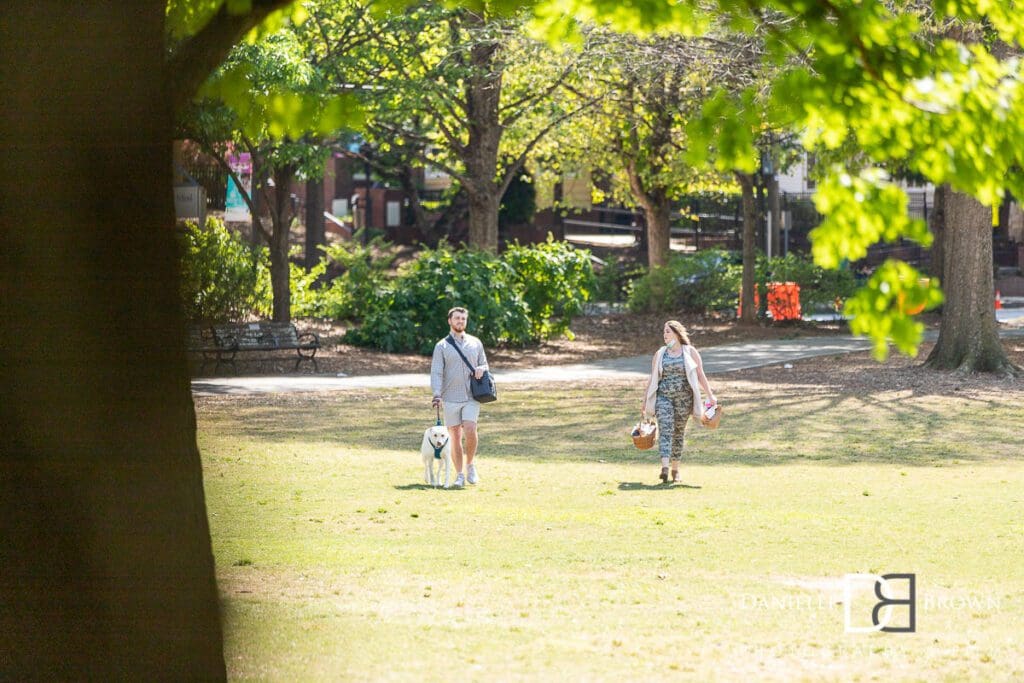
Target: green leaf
[859,210]
[882,309]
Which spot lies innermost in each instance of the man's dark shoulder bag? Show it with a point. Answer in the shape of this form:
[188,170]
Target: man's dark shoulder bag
[483,389]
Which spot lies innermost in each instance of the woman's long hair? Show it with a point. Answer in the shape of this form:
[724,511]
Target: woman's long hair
[680,331]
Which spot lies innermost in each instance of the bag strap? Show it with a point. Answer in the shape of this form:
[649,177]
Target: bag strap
[451,339]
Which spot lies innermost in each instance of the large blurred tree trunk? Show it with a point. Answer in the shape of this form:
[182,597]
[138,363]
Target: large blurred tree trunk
[106,569]
[746,181]
[968,336]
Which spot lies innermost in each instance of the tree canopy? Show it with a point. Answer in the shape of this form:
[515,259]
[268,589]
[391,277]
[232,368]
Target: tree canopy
[935,87]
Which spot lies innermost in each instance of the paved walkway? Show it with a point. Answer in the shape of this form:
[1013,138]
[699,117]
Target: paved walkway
[717,359]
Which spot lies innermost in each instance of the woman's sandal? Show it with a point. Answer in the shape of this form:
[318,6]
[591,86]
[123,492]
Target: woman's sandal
[664,475]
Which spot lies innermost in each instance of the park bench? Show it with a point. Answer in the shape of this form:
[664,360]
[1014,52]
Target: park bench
[223,342]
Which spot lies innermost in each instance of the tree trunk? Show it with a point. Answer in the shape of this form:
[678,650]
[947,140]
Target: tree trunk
[106,569]
[657,209]
[480,155]
[937,224]
[968,336]
[281,217]
[316,235]
[746,182]
[483,220]
[280,283]
[657,216]
[444,226]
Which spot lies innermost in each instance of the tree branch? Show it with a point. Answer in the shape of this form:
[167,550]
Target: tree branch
[513,168]
[199,56]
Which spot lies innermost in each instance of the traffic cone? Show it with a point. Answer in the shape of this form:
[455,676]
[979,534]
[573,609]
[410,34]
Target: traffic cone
[999,300]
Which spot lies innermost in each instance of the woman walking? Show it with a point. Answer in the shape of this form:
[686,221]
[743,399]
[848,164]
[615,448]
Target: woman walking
[677,376]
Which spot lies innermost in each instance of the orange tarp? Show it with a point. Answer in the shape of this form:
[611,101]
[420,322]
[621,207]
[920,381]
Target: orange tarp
[783,301]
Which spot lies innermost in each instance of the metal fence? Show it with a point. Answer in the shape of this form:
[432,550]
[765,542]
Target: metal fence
[699,223]
[703,222]
[214,180]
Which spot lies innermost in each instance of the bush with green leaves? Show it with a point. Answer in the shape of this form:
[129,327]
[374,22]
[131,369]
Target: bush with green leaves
[410,313]
[556,280]
[221,274]
[695,283]
[613,280]
[820,288]
[348,295]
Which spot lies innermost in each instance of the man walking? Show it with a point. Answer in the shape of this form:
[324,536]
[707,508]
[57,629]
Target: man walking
[449,382]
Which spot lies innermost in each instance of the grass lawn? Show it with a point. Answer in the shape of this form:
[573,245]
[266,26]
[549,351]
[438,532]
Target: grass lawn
[570,560]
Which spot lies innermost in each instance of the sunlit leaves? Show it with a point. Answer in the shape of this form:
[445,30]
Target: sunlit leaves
[725,132]
[860,210]
[895,81]
[294,14]
[187,17]
[881,309]
[276,94]
[1005,19]
[640,17]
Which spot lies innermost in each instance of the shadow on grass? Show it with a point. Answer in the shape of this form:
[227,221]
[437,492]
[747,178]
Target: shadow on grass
[783,424]
[425,487]
[637,486]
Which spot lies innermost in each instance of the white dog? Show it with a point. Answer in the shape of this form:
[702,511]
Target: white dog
[436,448]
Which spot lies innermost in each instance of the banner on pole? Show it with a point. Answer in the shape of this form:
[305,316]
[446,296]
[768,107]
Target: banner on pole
[235,208]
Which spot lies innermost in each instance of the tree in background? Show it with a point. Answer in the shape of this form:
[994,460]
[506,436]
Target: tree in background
[462,91]
[645,92]
[241,110]
[946,108]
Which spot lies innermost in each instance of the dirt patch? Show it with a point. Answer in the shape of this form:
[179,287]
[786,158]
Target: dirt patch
[622,335]
[861,374]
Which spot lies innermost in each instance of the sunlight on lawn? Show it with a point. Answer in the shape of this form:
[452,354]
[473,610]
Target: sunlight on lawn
[568,559]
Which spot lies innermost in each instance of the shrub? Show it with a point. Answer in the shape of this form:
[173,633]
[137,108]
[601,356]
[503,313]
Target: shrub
[221,273]
[556,280]
[819,288]
[409,313]
[348,295]
[700,282]
[613,281]
[308,300]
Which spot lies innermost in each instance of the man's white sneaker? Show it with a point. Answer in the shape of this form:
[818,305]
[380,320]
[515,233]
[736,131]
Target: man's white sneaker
[460,481]
[471,475]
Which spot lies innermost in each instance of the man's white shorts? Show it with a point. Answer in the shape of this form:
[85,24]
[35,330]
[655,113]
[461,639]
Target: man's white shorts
[457,413]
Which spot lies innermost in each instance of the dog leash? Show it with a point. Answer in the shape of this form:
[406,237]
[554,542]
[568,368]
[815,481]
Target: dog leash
[437,451]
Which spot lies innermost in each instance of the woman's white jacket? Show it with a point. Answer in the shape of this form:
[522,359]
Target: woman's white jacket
[690,362]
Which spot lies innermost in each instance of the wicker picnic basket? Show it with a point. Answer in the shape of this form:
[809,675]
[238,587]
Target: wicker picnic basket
[712,422]
[644,433]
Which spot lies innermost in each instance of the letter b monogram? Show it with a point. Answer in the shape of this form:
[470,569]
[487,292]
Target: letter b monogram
[884,591]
